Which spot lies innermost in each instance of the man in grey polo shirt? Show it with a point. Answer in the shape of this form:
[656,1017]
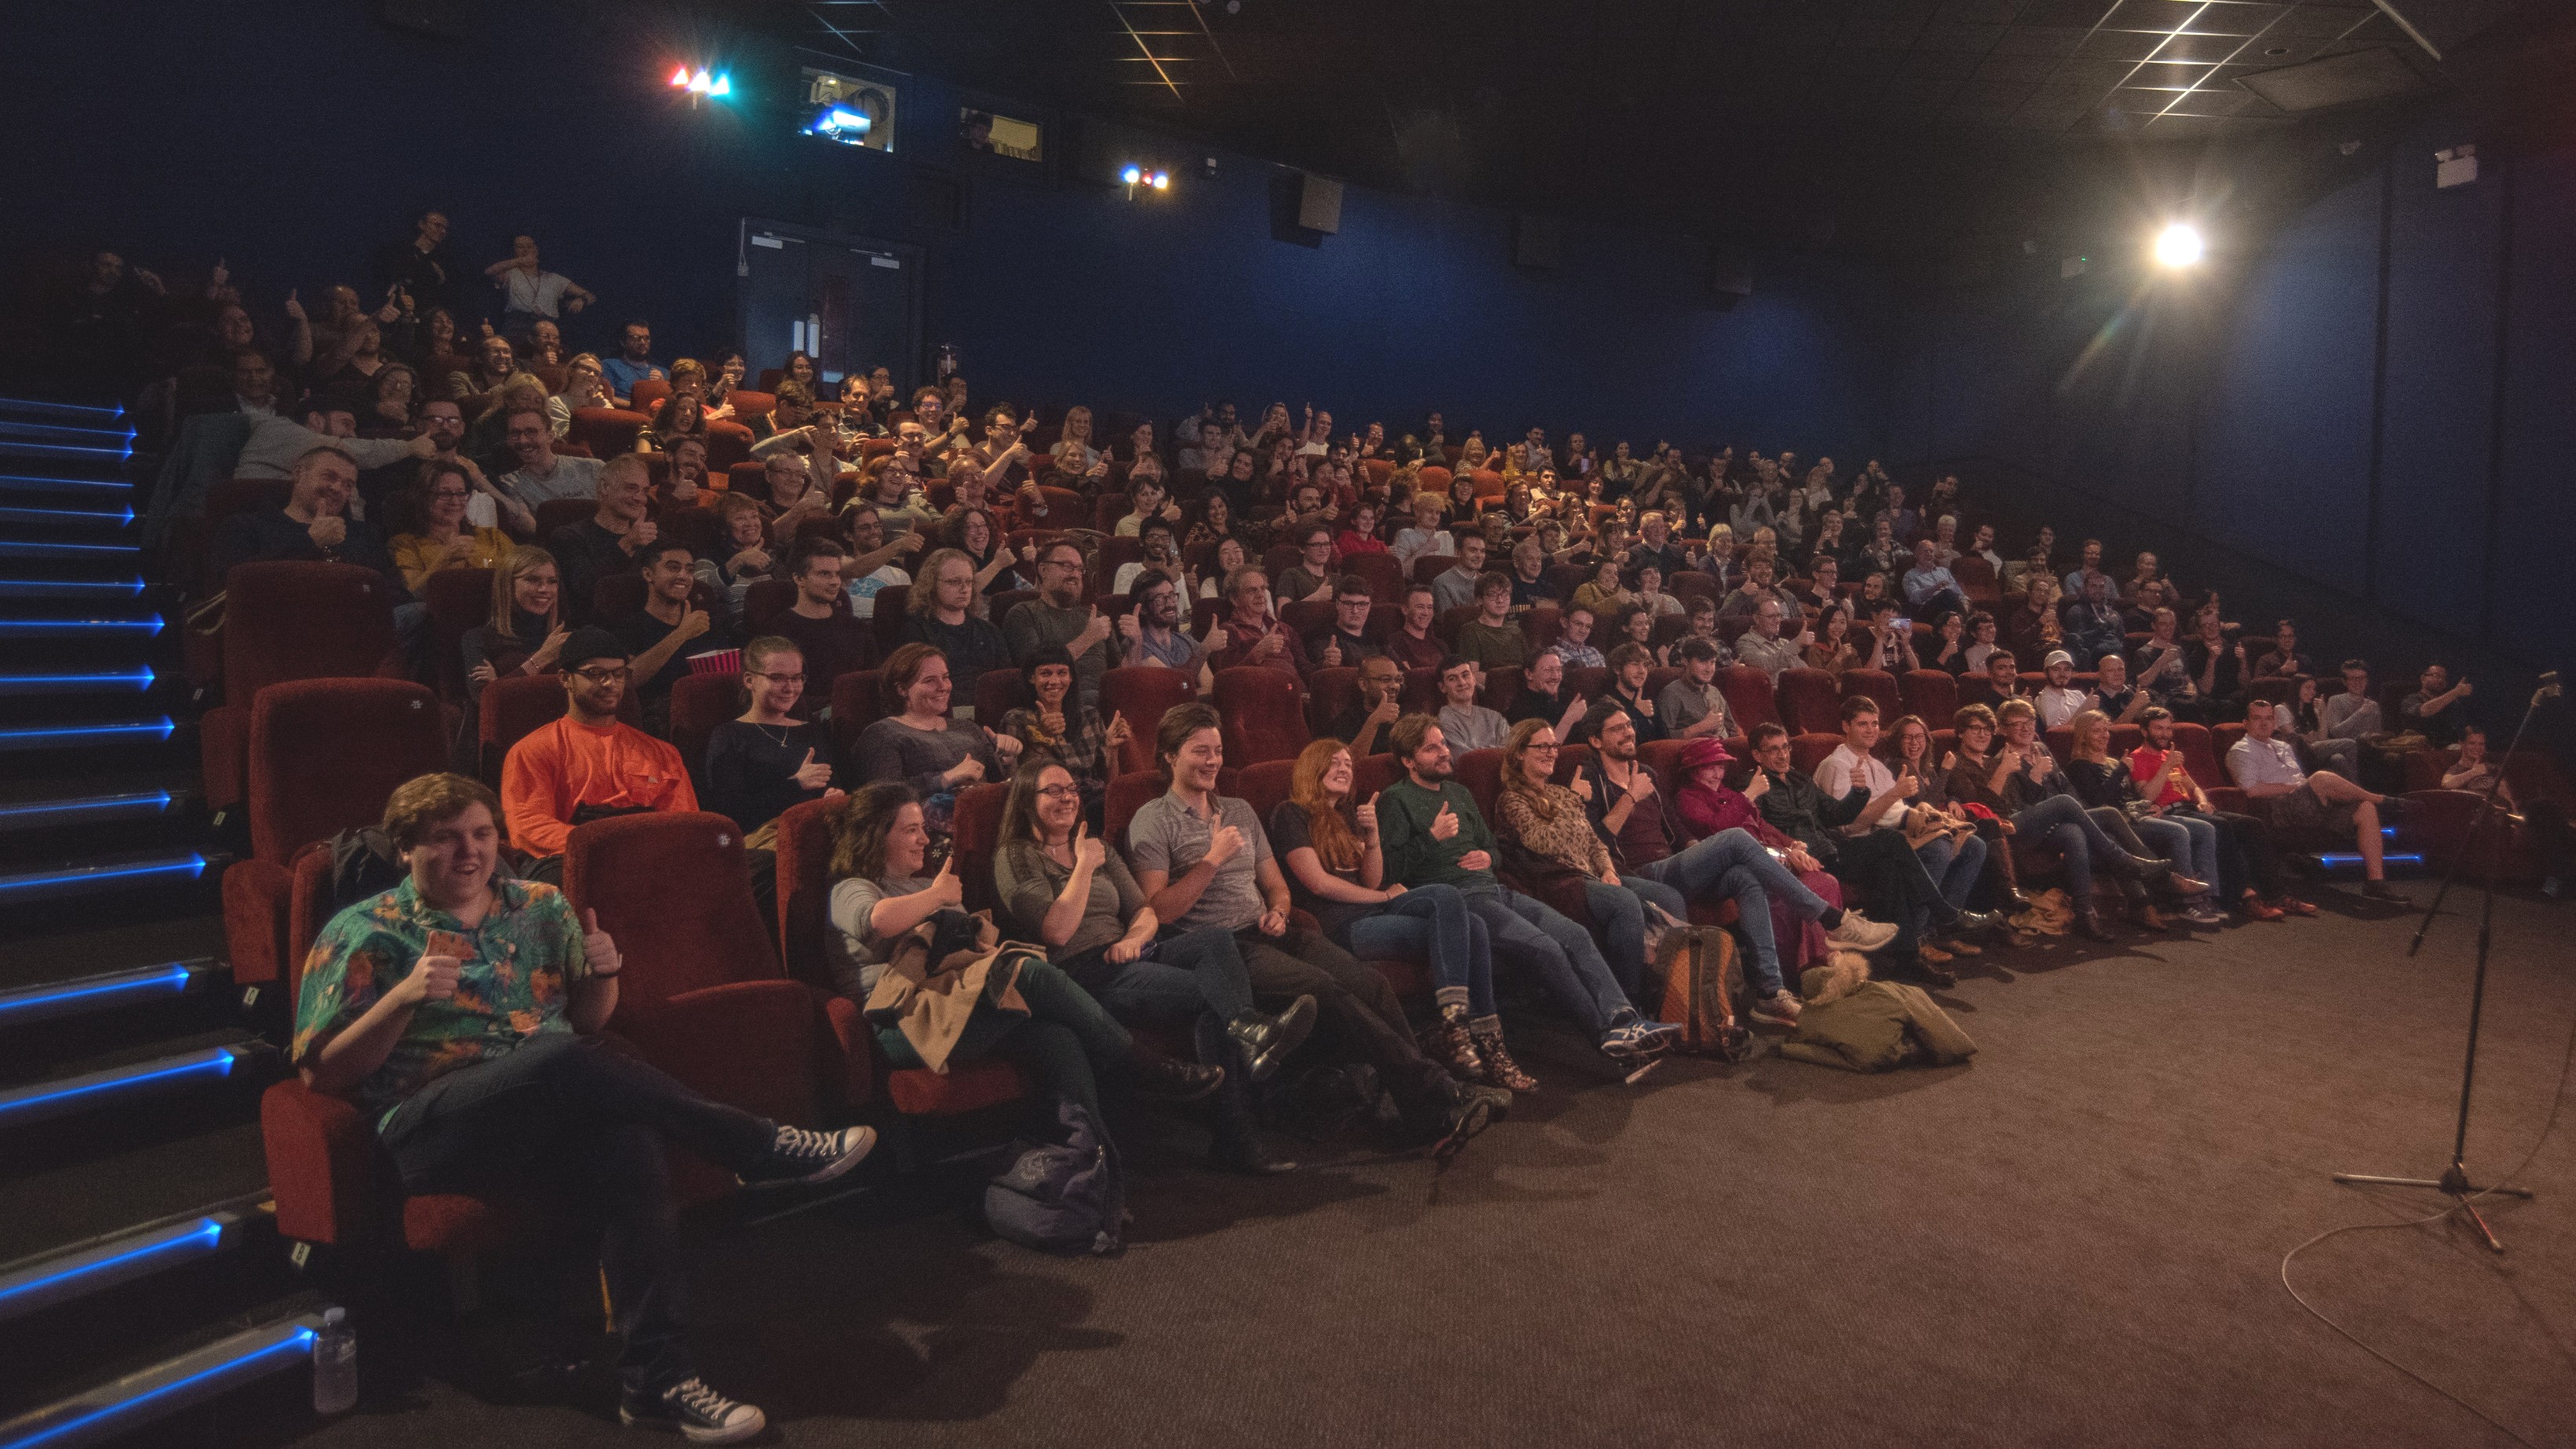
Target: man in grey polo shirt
[1202,859]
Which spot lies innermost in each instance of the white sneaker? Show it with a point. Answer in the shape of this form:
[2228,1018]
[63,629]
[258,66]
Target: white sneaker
[1859,933]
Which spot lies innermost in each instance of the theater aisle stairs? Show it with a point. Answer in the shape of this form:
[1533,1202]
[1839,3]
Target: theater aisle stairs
[143,1294]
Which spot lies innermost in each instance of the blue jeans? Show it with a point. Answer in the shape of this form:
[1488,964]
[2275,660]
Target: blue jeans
[589,1121]
[1195,979]
[1528,934]
[1432,922]
[2189,841]
[1732,865]
[2060,822]
[1953,867]
[1063,1038]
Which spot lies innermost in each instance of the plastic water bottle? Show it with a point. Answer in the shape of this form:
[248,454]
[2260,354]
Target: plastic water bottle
[335,1364]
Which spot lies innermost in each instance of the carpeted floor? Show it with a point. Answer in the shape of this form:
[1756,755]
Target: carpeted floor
[2076,1240]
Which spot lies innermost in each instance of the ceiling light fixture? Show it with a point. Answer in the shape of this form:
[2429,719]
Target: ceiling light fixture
[2180,245]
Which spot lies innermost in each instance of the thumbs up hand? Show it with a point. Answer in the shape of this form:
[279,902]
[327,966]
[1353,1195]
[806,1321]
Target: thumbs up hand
[813,774]
[1444,826]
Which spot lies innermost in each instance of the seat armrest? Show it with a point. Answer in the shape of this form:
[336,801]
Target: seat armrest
[324,1166]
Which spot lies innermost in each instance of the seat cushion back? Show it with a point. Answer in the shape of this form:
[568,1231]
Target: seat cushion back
[325,754]
[287,621]
[805,886]
[672,889]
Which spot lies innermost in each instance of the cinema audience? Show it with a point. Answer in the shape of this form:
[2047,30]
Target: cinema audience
[766,759]
[587,764]
[2266,768]
[917,744]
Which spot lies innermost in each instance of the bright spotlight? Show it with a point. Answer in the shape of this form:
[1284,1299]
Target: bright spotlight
[2179,245]
[680,78]
[1160,181]
[699,84]
[722,87]
[1132,175]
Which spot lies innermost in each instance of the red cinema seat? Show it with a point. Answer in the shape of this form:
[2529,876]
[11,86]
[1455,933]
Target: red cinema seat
[702,995]
[1810,702]
[766,600]
[459,602]
[1264,717]
[1384,576]
[858,701]
[975,835]
[998,692]
[332,1183]
[1144,694]
[1930,694]
[1879,685]
[607,432]
[324,755]
[804,917]
[1329,692]
[287,621]
[1807,751]
[1749,696]
[699,703]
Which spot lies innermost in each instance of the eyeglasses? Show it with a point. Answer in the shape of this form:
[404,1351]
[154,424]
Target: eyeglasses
[1060,792]
[605,676]
[444,494]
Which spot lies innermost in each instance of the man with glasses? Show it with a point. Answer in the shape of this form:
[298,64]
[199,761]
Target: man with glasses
[1764,646]
[586,765]
[1363,725]
[1877,865]
[1152,635]
[1310,579]
[1060,618]
[632,364]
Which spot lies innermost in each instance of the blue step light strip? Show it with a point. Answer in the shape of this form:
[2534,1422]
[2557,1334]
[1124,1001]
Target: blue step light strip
[23,427]
[39,1100]
[66,409]
[27,482]
[82,810]
[139,679]
[66,450]
[106,991]
[2339,859]
[120,516]
[39,885]
[76,737]
[76,552]
[117,1261]
[146,627]
[163,1389]
[71,588]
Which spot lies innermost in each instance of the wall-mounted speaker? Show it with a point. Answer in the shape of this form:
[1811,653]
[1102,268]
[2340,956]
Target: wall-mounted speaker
[1538,241]
[1319,205]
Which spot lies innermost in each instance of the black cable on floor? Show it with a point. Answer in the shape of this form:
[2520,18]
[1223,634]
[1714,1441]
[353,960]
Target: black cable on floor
[2557,1101]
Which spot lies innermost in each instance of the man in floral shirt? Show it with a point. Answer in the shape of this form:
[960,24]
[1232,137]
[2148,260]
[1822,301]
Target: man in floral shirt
[461,1012]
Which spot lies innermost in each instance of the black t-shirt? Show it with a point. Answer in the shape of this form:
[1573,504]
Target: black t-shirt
[269,535]
[587,553]
[751,769]
[1530,704]
[1288,832]
[833,646]
[1528,592]
[644,631]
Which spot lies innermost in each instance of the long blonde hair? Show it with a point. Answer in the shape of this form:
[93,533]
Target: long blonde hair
[2082,727]
[1334,842]
[505,590]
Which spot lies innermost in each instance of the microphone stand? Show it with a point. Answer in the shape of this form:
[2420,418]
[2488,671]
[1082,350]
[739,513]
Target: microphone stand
[2454,1181]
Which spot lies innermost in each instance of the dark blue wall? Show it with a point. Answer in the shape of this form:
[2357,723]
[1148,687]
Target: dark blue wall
[2362,407]
[291,137]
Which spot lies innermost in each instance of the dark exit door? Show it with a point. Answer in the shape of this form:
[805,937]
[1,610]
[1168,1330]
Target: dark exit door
[852,303]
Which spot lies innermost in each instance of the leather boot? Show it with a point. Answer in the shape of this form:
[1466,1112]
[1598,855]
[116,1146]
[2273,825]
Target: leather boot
[1266,1041]
[2088,923]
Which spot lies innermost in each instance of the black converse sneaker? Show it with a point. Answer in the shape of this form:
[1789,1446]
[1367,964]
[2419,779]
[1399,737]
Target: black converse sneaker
[798,1156]
[698,1412]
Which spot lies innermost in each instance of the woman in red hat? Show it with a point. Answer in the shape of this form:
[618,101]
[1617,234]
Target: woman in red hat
[1708,805]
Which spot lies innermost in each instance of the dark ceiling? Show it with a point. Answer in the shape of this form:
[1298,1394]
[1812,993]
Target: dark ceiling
[1733,116]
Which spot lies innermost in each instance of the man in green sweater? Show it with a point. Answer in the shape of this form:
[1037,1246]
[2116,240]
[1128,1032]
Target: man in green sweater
[1433,834]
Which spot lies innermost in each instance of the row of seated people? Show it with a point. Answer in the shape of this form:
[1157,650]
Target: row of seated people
[462,1009]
